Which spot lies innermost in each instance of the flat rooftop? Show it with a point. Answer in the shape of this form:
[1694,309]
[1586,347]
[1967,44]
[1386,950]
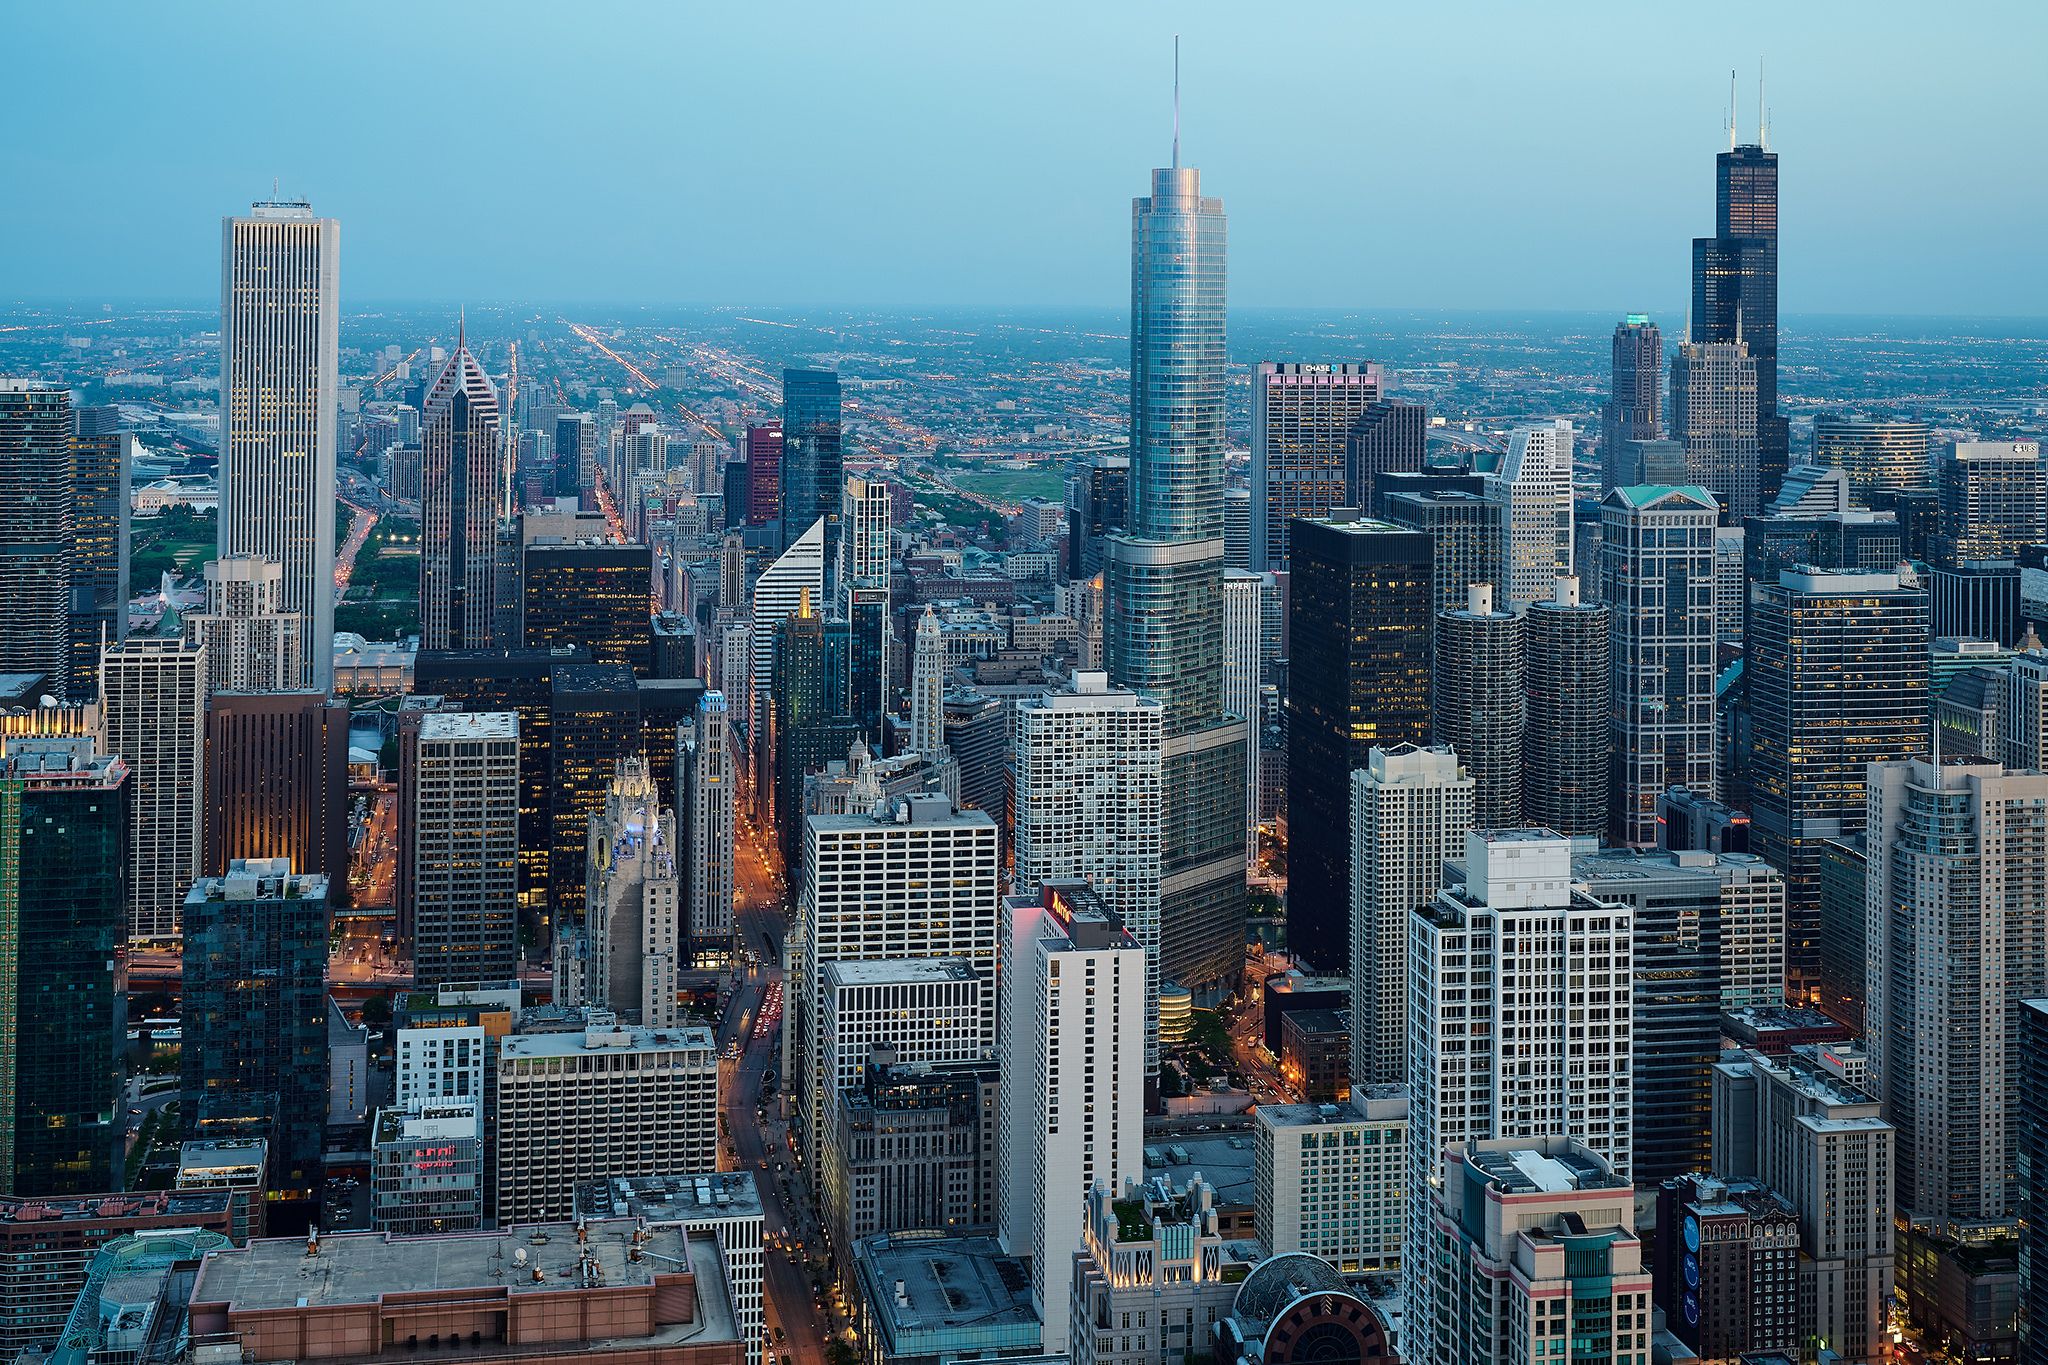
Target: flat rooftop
[1223,1160]
[470,725]
[362,1267]
[619,1039]
[1524,1170]
[931,1283]
[100,1208]
[671,1198]
[900,971]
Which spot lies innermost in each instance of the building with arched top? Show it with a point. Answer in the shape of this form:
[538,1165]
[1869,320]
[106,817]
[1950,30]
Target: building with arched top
[1297,1309]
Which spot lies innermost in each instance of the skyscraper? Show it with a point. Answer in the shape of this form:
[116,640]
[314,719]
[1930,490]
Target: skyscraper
[279,336]
[1303,416]
[1476,701]
[252,644]
[1163,627]
[1632,396]
[153,692]
[593,593]
[458,846]
[1244,674]
[1411,809]
[63,880]
[813,468]
[1878,454]
[37,529]
[864,519]
[1088,802]
[464,490]
[1994,500]
[1735,288]
[1519,996]
[102,458]
[798,572]
[1956,900]
[764,478]
[704,812]
[593,723]
[1713,414]
[276,782]
[632,899]
[1098,498]
[1532,486]
[575,454]
[928,687]
[1388,438]
[1657,578]
[1836,665]
[1072,1111]
[1359,622]
[1568,730]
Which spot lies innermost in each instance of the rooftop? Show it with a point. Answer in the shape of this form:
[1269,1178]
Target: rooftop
[470,725]
[199,1205]
[618,1037]
[900,971]
[658,1199]
[441,1121]
[1223,1160]
[923,1284]
[1526,1170]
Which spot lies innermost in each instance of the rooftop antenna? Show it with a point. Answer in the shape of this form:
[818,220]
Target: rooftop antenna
[1176,101]
[273,189]
[1731,108]
[461,326]
[1763,115]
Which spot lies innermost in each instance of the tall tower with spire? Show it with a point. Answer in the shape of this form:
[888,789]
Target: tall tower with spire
[928,687]
[1735,280]
[1163,627]
[462,481]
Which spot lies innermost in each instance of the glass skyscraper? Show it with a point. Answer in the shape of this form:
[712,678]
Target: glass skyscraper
[813,469]
[1163,631]
[1735,289]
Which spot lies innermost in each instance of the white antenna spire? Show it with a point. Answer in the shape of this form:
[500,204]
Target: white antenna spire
[1176,101]
[1763,113]
[1731,108]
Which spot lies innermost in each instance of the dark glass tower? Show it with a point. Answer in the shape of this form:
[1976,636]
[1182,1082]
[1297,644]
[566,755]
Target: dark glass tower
[1359,627]
[276,781]
[1633,395]
[102,458]
[1735,289]
[1098,498]
[36,531]
[595,722]
[813,467]
[63,916]
[1163,614]
[867,660]
[595,595]
[1390,438]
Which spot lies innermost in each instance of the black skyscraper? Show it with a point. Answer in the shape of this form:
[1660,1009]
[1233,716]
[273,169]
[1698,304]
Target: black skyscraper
[813,469]
[1735,289]
[1390,438]
[1632,399]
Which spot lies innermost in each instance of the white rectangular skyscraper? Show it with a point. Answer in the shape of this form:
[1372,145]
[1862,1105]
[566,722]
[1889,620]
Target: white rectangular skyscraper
[1532,486]
[279,342]
[153,692]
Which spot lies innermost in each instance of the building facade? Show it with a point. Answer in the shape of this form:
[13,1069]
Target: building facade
[1303,416]
[252,643]
[465,496]
[153,705]
[1568,728]
[458,832]
[276,781]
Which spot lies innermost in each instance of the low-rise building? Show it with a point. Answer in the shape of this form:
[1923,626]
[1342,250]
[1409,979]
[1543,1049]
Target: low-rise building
[235,1167]
[1329,1179]
[924,1298]
[547,1293]
[1297,1308]
[1727,1267]
[1315,1054]
[47,1246]
[427,1168]
[725,1204]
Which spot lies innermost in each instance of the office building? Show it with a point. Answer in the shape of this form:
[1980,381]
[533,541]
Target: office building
[1567,734]
[607,1102]
[1388,438]
[47,1248]
[1477,695]
[588,1292]
[956,1296]
[1154,1256]
[1163,614]
[1536,1238]
[1728,1282]
[279,338]
[594,723]
[1655,544]
[797,575]
[38,531]
[1088,794]
[1713,414]
[1237,529]
[927,686]
[860,902]
[1844,932]
[813,468]
[1957,907]
[978,740]
[1735,288]
[588,593]
[1466,531]
[63,881]
[705,831]
[1245,658]
[916,1010]
[458,846]
[153,705]
[102,458]
[1359,614]
[1877,454]
[252,643]
[1818,1143]
[277,782]
[1303,416]
[1098,497]
[1532,487]
[255,1009]
[914,1146]
[1072,1110]
[632,905]
[1837,670]
[1994,500]
[1315,1054]
[427,1168]
[1977,599]
[465,496]
[1702,921]
[1520,996]
[1411,809]
[763,503]
[723,1205]
[864,521]
[575,454]
[1327,1179]
[2031,1105]
[1633,394]
[666,706]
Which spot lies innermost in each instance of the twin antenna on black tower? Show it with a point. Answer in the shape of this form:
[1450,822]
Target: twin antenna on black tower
[1763,113]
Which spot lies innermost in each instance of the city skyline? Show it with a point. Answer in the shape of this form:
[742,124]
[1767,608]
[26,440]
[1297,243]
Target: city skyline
[900,167]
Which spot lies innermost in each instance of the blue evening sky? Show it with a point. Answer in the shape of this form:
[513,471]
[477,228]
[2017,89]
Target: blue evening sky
[1461,155]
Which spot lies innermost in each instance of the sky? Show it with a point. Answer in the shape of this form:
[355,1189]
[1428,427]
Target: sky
[1370,155]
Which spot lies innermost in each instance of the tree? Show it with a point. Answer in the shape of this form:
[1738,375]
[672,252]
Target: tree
[376,1011]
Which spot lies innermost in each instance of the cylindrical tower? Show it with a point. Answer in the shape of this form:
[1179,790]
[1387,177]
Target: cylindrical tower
[1565,773]
[1476,701]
